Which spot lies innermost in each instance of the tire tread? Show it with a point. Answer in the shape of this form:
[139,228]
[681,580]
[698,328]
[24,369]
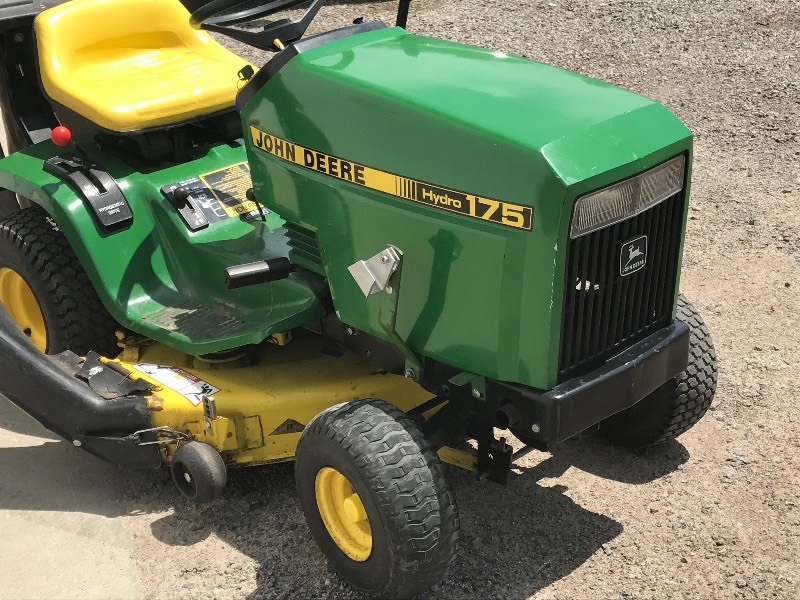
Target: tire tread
[82,322]
[680,403]
[409,482]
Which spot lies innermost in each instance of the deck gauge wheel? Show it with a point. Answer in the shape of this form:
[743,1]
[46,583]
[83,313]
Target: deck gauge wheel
[199,472]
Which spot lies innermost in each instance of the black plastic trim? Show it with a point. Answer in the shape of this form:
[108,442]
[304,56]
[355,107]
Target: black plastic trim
[402,13]
[20,13]
[100,192]
[79,124]
[46,388]
[284,56]
[582,402]
[26,111]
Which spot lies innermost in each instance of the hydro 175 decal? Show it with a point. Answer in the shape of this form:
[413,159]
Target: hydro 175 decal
[486,209]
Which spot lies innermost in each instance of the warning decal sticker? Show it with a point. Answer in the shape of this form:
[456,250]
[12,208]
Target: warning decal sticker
[221,194]
[230,186]
[187,385]
[478,207]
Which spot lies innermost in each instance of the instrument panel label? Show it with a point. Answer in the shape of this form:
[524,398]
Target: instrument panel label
[471,205]
[221,194]
[229,186]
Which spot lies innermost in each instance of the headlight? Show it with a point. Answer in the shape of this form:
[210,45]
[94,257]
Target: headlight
[627,198]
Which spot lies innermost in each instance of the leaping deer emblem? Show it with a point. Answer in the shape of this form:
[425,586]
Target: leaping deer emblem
[633,252]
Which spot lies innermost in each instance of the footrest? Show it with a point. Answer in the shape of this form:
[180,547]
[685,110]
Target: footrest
[198,329]
[202,324]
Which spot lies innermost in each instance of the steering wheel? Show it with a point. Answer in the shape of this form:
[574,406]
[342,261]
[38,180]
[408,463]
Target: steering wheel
[217,16]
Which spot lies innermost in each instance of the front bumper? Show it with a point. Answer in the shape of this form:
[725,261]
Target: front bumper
[548,417]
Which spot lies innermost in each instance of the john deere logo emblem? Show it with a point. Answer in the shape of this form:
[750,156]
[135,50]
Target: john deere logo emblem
[633,255]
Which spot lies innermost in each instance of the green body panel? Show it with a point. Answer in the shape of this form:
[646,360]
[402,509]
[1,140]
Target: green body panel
[480,296]
[477,295]
[156,277]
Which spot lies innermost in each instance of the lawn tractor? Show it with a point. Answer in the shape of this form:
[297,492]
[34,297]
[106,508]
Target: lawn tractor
[373,255]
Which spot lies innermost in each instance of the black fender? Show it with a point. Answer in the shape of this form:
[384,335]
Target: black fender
[46,388]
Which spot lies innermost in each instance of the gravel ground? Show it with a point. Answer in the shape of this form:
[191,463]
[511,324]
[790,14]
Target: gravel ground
[712,515]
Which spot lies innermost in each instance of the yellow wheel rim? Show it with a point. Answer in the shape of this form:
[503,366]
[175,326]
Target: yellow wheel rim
[18,299]
[343,513]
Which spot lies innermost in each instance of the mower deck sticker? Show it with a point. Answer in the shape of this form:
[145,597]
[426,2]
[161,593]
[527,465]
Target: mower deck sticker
[187,385]
[478,207]
[222,194]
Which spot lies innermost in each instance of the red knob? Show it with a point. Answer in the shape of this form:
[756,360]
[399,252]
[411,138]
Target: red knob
[61,136]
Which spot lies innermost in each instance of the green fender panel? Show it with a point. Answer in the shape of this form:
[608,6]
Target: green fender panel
[156,277]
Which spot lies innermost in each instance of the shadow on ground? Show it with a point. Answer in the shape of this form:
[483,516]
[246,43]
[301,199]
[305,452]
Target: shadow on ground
[522,537]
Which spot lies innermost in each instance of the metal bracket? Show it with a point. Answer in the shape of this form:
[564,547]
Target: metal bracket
[154,433]
[209,407]
[372,275]
[381,273]
[494,459]
[476,382]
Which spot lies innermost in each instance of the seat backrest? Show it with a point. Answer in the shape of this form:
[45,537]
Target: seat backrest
[64,30]
[72,26]
[81,41]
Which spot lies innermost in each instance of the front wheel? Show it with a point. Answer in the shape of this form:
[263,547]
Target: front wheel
[376,499]
[680,402]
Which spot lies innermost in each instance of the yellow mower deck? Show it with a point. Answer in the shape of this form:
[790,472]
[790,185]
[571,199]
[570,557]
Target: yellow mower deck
[260,410]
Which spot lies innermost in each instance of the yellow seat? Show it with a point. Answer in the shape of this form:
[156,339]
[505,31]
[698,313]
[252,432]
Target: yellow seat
[128,65]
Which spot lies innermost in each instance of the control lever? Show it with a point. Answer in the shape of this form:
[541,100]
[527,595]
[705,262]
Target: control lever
[61,136]
[181,198]
[254,273]
[99,190]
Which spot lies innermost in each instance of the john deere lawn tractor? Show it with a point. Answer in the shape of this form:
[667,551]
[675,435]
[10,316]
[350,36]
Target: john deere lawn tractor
[371,249]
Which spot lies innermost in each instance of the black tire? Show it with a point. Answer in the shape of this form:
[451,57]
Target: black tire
[410,509]
[199,472]
[8,203]
[32,245]
[678,404]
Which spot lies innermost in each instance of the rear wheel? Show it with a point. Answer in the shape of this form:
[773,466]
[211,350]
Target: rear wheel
[376,499]
[45,289]
[678,404]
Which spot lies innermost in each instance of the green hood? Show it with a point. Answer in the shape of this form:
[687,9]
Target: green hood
[478,295]
[581,125]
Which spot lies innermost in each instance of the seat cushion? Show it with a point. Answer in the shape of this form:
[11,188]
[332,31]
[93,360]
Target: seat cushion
[128,65]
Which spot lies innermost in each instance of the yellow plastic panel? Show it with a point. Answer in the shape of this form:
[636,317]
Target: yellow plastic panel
[270,403]
[133,64]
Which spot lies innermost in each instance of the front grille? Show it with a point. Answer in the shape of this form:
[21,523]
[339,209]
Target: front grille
[605,312]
